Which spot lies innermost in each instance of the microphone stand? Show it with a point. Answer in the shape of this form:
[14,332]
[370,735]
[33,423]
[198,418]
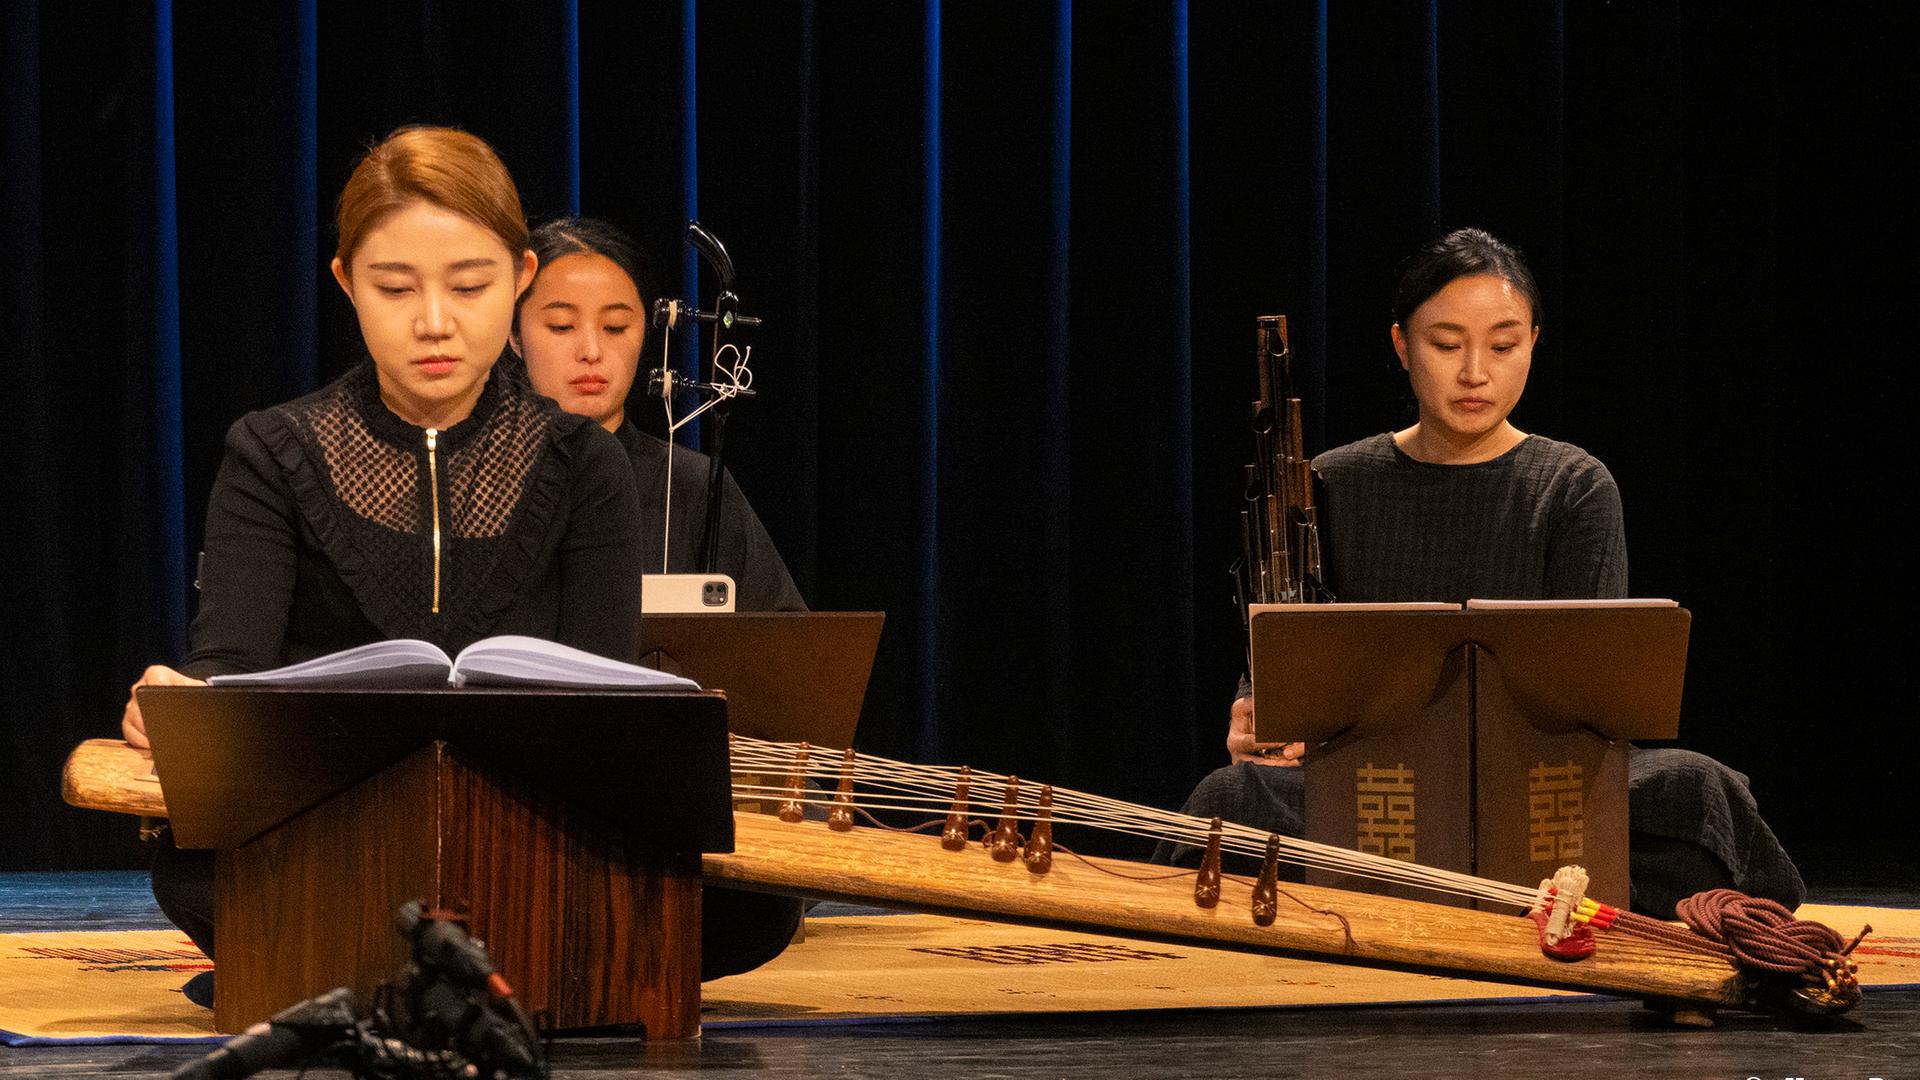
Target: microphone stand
[725,318]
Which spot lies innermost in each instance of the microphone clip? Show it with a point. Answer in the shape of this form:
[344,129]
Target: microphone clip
[672,314]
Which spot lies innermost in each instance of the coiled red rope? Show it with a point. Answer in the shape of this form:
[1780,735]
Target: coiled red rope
[1764,936]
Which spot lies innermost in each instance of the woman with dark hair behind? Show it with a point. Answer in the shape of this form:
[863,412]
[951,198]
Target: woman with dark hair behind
[1465,505]
[581,330]
[421,494]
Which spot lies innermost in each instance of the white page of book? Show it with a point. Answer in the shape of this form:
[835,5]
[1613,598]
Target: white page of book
[403,662]
[511,660]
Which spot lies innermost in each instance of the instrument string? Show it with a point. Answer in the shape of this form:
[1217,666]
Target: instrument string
[796,774]
[1158,825]
[986,829]
[902,787]
[919,788]
[1393,873]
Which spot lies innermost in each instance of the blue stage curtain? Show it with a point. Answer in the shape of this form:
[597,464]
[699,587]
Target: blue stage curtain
[1009,255]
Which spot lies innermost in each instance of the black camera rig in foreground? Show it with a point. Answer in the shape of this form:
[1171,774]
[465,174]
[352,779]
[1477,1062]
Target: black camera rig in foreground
[448,1015]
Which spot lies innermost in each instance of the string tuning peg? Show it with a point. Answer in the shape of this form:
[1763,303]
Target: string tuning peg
[1206,885]
[791,810]
[953,836]
[1266,891]
[1004,843]
[840,818]
[1038,853]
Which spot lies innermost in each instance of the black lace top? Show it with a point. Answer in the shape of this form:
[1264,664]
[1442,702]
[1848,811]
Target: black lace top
[333,523]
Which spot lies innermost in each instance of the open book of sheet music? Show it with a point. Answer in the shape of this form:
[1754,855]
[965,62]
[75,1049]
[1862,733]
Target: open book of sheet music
[507,660]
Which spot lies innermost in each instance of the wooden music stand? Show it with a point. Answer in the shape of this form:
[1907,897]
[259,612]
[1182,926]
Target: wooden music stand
[1491,742]
[572,822]
[790,676]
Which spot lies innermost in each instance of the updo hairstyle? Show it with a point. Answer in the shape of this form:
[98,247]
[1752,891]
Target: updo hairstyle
[447,168]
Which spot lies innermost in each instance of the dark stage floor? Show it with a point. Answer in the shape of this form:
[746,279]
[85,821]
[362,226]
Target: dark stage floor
[1571,1039]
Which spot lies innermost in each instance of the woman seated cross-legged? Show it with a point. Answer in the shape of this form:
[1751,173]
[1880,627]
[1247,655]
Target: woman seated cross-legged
[1464,505]
[423,494]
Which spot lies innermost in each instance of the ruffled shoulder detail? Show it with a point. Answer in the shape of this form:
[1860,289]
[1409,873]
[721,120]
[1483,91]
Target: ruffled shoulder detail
[370,497]
[308,439]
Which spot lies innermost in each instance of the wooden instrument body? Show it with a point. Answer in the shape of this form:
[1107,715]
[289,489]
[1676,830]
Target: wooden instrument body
[1152,902]
[1091,894]
[107,774]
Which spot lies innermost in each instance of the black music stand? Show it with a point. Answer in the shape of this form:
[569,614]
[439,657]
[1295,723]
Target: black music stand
[1492,742]
[571,821]
[790,676]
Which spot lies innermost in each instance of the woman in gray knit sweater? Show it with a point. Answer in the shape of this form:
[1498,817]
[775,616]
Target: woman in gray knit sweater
[1463,504]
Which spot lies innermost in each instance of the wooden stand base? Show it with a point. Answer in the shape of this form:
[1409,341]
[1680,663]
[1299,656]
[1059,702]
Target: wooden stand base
[1403,791]
[1476,784]
[582,923]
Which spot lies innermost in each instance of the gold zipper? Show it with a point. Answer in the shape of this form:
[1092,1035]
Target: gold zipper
[433,485]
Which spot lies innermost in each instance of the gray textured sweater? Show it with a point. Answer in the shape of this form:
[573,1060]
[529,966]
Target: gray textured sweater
[1540,522]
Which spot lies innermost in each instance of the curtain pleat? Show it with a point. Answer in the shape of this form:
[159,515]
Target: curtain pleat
[1009,255]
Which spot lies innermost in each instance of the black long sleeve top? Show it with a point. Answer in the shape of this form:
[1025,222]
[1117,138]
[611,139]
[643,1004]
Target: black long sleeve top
[333,523]
[745,552]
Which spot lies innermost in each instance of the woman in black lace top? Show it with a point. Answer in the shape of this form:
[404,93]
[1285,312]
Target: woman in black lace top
[424,494]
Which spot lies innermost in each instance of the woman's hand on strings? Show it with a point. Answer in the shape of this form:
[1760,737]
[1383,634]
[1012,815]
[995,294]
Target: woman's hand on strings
[1242,747]
[133,726]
